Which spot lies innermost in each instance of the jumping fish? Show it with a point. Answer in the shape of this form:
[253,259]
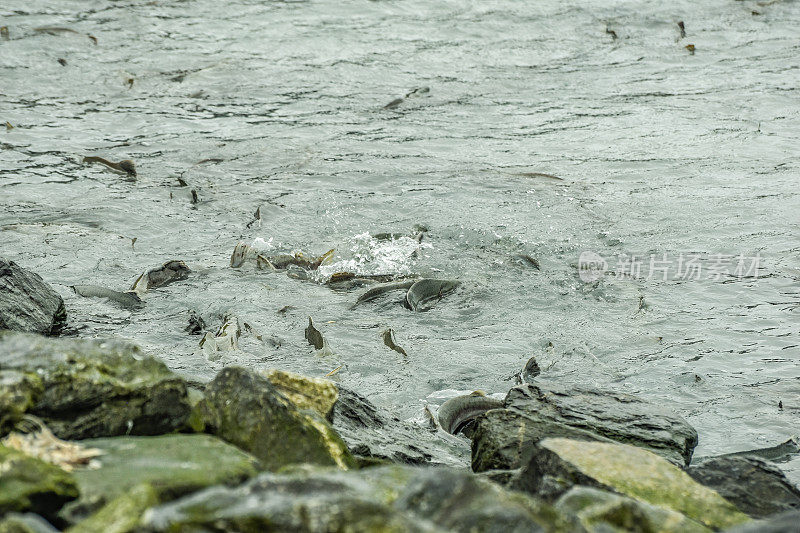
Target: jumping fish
[456,413]
[158,277]
[127,299]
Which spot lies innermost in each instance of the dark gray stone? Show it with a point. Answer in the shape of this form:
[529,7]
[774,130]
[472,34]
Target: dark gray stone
[757,487]
[788,522]
[27,303]
[504,438]
[376,434]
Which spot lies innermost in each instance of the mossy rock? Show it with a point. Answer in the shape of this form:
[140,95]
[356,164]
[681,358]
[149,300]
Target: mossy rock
[558,464]
[600,511]
[382,499]
[123,514]
[171,465]
[245,409]
[25,523]
[90,388]
[316,394]
[30,484]
[17,393]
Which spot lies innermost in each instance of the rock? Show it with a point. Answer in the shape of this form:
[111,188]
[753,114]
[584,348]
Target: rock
[27,303]
[245,409]
[25,523]
[558,464]
[600,511]
[30,484]
[376,434]
[123,514]
[88,388]
[316,394]
[757,487]
[172,465]
[387,499]
[782,523]
[505,438]
[17,394]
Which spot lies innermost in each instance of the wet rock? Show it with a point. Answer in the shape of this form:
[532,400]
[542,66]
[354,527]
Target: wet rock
[600,511]
[245,409]
[89,388]
[316,394]
[376,434]
[757,487]
[781,453]
[170,465]
[782,523]
[504,438]
[387,499]
[27,303]
[558,464]
[17,393]
[123,514]
[30,484]
[25,523]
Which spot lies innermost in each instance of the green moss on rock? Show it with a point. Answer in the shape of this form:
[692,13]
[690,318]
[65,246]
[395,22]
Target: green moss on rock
[171,465]
[30,484]
[90,388]
[245,409]
[123,514]
[559,463]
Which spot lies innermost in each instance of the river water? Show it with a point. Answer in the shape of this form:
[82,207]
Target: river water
[686,156]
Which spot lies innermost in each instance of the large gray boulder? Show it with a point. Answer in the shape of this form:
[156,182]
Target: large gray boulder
[788,522]
[387,499]
[757,487]
[90,388]
[27,303]
[504,439]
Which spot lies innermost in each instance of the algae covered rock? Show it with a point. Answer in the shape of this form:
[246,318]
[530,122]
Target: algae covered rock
[757,487]
[17,393]
[171,465]
[245,409]
[30,484]
[600,511]
[25,523]
[89,388]
[387,499]
[27,303]
[558,464]
[505,438]
[316,394]
[123,514]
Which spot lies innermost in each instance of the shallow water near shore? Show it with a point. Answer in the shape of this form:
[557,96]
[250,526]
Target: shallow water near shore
[280,105]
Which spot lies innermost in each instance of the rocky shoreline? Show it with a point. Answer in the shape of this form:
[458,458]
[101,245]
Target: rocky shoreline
[99,436]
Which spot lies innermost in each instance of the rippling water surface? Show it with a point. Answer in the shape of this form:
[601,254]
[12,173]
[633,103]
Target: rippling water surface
[659,151]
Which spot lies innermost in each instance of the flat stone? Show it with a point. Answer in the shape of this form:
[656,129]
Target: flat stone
[172,465]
